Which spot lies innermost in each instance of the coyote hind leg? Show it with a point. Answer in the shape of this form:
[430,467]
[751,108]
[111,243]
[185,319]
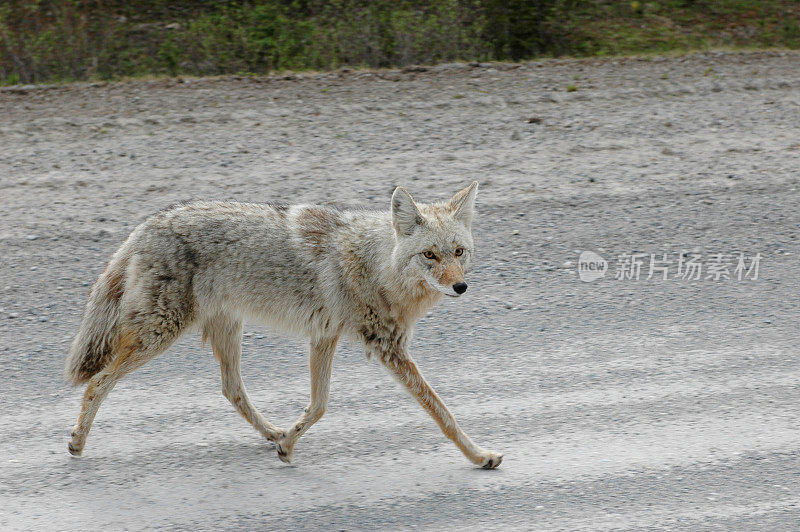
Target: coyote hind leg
[130,356]
[225,334]
[320,362]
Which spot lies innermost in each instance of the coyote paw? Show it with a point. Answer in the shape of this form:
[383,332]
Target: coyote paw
[285,451]
[74,448]
[491,459]
[276,436]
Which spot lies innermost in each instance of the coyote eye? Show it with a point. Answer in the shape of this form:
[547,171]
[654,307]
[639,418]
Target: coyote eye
[429,254]
[459,252]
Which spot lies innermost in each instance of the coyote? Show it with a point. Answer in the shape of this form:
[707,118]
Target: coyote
[313,270]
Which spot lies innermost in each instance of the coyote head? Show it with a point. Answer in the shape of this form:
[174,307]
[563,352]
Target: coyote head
[434,241]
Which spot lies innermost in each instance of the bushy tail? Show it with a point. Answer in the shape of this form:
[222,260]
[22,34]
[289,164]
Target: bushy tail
[93,346]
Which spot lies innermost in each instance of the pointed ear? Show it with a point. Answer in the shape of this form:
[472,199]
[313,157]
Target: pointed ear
[405,214]
[462,205]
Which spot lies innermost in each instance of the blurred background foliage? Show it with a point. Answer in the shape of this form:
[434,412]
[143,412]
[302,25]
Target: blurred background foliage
[65,40]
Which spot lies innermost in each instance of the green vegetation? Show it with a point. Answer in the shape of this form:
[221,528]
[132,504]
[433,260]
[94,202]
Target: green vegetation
[65,40]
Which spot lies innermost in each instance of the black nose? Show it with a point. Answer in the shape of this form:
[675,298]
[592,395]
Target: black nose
[460,288]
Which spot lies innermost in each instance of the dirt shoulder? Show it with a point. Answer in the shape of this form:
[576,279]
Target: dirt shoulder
[619,403]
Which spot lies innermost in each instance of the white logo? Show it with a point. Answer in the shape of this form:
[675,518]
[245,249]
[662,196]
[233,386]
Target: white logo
[591,266]
[688,266]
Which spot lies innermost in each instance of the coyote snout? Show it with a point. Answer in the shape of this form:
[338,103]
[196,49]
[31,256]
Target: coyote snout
[447,278]
[313,270]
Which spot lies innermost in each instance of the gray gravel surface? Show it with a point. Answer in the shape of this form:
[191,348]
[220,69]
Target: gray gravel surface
[619,404]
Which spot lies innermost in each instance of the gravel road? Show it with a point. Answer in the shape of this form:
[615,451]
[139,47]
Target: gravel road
[619,403]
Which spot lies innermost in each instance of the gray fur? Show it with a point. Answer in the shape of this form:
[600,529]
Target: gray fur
[311,270]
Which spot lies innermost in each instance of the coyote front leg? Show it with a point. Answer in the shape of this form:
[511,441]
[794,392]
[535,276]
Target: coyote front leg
[320,362]
[406,370]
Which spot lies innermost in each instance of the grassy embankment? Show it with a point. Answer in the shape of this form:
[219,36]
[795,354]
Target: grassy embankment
[52,41]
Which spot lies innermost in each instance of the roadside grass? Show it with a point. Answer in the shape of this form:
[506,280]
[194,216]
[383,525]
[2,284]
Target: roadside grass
[672,26]
[59,41]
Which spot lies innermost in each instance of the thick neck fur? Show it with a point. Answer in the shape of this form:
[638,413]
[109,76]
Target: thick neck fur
[408,298]
[411,301]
